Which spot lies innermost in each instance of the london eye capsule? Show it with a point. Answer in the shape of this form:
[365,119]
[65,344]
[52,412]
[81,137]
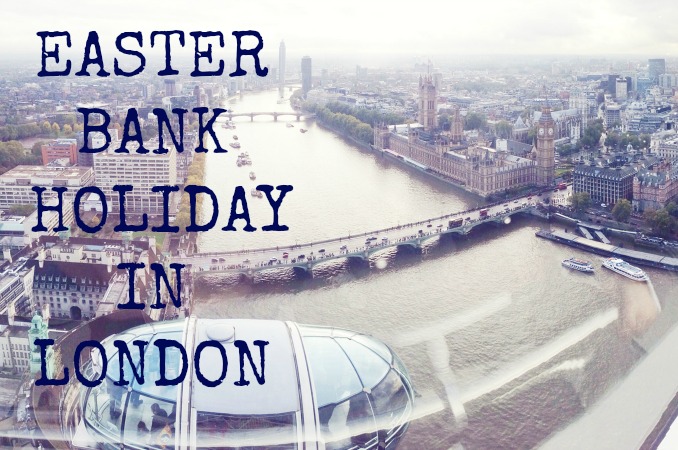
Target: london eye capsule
[324,388]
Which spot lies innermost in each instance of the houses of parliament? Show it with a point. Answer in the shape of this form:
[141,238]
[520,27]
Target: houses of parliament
[476,168]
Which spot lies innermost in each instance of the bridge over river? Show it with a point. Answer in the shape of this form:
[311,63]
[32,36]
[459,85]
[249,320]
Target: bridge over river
[274,114]
[361,246]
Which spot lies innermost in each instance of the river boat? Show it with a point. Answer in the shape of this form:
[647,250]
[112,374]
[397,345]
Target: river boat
[623,268]
[578,264]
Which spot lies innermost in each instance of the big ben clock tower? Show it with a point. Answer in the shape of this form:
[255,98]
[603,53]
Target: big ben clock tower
[546,149]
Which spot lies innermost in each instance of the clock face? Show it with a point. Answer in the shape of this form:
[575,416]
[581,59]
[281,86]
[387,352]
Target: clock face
[541,132]
[550,131]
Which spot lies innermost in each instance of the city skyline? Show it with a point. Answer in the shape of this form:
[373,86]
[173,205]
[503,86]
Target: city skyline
[485,27]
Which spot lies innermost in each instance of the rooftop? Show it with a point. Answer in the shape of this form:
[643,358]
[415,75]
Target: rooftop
[45,172]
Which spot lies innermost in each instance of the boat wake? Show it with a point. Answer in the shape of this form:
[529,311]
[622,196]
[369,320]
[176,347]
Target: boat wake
[542,355]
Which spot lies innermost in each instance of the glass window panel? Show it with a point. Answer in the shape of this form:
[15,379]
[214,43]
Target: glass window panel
[378,347]
[333,374]
[349,424]
[371,368]
[112,354]
[148,425]
[390,401]
[401,367]
[152,368]
[230,432]
[104,408]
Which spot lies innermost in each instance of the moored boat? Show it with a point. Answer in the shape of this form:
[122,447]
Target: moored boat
[623,268]
[256,193]
[578,264]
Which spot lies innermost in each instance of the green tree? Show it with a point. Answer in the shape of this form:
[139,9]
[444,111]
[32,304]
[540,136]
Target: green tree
[36,149]
[12,154]
[56,129]
[503,129]
[612,140]
[644,140]
[622,210]
[12,132]
[672,209]
[580,201]
[661,221]
[444,122]
[591,137]
[46,128]
[70,119]
[475,121]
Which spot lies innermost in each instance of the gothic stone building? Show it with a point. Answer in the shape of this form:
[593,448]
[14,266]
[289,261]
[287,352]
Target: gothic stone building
[478,169]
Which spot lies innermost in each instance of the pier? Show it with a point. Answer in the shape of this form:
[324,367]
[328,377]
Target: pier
[601,248]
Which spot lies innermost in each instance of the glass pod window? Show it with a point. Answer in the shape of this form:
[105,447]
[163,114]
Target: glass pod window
[362,395]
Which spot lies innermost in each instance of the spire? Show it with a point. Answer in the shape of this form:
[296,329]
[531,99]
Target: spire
[546,109]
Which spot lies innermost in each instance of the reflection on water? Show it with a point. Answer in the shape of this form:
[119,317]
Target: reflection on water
[640,307]
[508,375]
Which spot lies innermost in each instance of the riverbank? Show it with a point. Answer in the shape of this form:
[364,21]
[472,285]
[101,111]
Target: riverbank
[403,162]
[345,136]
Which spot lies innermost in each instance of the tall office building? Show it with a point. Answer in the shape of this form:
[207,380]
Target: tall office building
[147,90]
[621,90]
[668,80]
[281,69]
[306,80]
[170,88]
[143,171]
[656,67]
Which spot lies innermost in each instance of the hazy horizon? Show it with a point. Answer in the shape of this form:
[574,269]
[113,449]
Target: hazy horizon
[361,32]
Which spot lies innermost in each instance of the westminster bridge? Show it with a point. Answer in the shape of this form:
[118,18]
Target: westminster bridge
[356,246]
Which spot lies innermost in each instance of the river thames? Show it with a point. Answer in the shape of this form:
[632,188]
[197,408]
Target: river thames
[551,341]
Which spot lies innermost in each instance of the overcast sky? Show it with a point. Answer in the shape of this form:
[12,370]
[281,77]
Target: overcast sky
[363,27]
